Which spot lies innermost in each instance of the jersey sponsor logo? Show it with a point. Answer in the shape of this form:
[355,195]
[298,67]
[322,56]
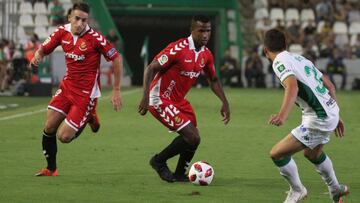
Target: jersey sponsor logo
[190,74]
[281,68]
[111,52]
[65,42]
[169,89]
[188,60]
[46,41]
[75,56]
[330,102]
[83,46]
[283,73]
[163,59]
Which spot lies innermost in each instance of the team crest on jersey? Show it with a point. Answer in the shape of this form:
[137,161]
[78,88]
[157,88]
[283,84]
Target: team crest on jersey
[202,62]
[57,92]
[163,59]
[83,46]
[178,120]
[281,68]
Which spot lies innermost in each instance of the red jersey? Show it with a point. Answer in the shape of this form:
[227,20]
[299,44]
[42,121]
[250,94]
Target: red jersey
[181,66]
[82,55]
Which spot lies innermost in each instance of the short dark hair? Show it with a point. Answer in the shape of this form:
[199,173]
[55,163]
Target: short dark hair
[82,7]
[201,18]
[275,40]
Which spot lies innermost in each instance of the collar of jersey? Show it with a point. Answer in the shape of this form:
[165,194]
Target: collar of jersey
[192,44]
[68,28]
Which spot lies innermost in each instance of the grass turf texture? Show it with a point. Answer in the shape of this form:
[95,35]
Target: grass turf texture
[112,166]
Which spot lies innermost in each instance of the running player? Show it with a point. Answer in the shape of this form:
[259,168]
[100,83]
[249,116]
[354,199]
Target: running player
[315,95]
[75,101]
[166,82]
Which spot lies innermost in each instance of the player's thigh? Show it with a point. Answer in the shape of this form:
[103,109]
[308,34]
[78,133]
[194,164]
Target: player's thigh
[170,116]
[53,120]
[79,112]
[313,154]
[286,147]
[186,108]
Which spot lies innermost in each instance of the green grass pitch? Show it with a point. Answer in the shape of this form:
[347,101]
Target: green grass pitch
[112,166]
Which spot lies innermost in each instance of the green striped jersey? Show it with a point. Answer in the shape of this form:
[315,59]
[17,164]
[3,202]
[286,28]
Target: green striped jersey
[313,97]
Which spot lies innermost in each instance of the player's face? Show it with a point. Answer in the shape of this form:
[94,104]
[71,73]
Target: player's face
[201,33]
[78,20]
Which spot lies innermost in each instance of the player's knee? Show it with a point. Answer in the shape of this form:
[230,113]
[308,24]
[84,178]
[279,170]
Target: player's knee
[65,139]
[49,128]
[196,140]
[274,154]
[310,156]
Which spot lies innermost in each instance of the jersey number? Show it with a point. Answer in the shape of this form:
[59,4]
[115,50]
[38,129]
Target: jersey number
[320,87]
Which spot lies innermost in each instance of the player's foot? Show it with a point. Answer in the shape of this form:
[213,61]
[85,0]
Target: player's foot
[181,178]
[94,122]
[337,196]
[162,169]
[47,172]
[296,196]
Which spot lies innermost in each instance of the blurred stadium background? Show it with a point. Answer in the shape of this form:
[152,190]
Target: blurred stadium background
[325,31]
[113,167]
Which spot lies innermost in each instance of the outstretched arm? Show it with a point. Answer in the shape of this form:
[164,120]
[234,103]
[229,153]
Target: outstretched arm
[116,93]
[219,92]
[149,74]
[291,91]
[38,56]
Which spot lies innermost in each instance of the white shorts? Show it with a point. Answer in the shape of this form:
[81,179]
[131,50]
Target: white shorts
[311,137]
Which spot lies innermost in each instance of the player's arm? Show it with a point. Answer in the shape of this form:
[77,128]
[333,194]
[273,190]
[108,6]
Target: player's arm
[149,74]
[38,56]
[116,93]
[340,128]
[330,86]
[291,91]
[219,92]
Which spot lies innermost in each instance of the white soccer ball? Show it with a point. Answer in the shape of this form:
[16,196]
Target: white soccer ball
[201,173]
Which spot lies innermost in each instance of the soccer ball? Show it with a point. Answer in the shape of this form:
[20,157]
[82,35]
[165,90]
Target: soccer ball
[201,173]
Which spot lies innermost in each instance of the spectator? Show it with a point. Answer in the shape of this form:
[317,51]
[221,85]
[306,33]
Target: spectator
[336,66]
[309,32]
[356,46]
[3,68]
[324,11]
[261,27]
[293,32]
[31,46]
[57,13]
[254,71]
[229,69]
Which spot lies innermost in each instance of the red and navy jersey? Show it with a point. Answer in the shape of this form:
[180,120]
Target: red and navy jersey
[82,56]
[181,66]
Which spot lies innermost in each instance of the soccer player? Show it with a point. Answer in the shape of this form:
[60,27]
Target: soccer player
[75,101]
[167,80]
[315,95]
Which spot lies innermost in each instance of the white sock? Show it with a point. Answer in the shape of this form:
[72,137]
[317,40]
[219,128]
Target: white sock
[326,170]
[291,174]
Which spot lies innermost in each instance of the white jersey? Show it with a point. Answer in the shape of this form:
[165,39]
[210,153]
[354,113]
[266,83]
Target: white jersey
[320,111]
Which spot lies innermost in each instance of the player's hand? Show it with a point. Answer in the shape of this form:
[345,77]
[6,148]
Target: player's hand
[276,119]
[340,129]
[116,100]
[225,113]
[143,106]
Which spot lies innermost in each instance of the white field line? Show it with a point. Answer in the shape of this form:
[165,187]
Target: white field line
[45,109]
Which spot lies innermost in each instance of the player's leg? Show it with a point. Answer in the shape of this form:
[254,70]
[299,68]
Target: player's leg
[325,168]
[281,156]
[192,137]
[53,121]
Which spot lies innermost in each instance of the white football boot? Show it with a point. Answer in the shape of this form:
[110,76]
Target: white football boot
[296,196]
